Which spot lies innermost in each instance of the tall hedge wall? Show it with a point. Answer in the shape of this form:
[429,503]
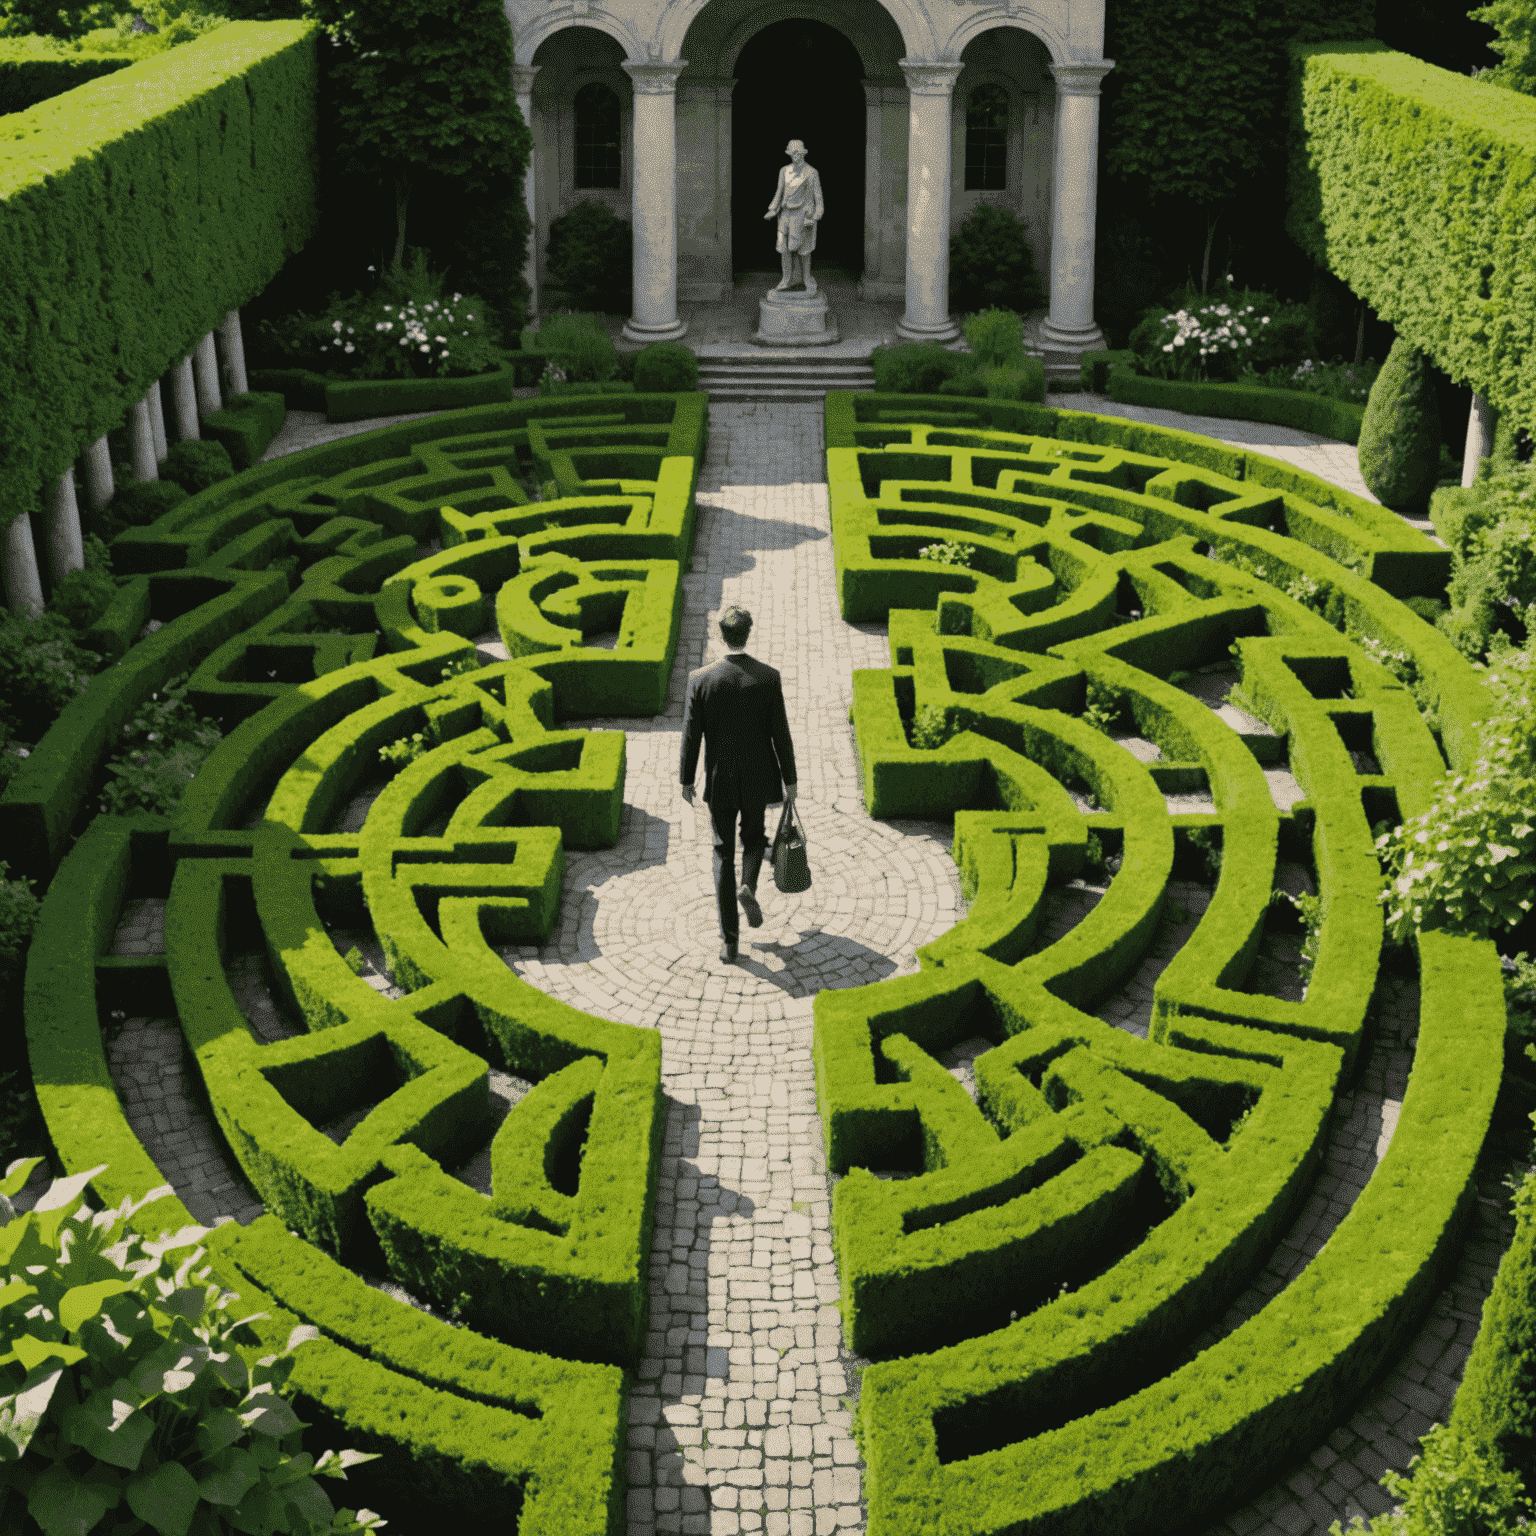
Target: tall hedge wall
[135,212]
[1437,237]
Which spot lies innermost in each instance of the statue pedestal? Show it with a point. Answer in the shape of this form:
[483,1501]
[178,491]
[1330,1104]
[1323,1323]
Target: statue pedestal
[794,318]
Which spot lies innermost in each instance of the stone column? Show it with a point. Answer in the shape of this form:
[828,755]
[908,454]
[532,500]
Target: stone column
[1069,325]
[1481,421]
[654,216]
[141,438]
[235,381]
[522,84]
[205,366]
[185,395]
[157,419]
[23,584]
[885,113]
[98,473]
[930,85]
[66,552]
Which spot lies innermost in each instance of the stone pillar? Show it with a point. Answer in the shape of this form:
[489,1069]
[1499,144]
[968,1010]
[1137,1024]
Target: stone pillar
[885,130]
[522,84]
[98,473]
[654,215]
[1069,325]
[205,366]
[929,87]
[157,419]
[235,381]
[1481,421]
[185,394]
[66,552]
[141,438]
[23,584]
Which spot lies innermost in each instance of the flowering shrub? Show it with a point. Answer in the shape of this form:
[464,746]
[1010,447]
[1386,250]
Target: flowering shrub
[947,554]
[407,329]
[1337,380]
[125,1381]
[1221,336]
[1468,863]
[1491,528]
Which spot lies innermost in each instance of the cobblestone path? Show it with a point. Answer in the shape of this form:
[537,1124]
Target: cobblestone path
[740,1416]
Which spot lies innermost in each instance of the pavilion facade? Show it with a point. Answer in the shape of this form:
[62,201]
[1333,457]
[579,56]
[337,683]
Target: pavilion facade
[674,113]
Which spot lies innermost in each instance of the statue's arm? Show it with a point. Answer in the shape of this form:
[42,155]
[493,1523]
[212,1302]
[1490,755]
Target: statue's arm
[817,207]
[778,194]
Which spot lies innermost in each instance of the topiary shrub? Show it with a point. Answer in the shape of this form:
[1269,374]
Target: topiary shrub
[588,256]
[996,338]
[991,262]
[1400,435]
[145,502]
[81,597]
[1025,381]
[915,367]
[196,464]
[578,347]
[666,368]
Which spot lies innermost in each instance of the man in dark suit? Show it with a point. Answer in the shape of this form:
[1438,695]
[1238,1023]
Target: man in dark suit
[737,707]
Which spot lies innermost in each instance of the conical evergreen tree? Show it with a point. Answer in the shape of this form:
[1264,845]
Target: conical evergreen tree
[1496,1402]
[1400,436]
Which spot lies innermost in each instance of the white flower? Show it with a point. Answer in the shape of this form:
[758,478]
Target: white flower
[389,309]
[370,269]
[336,325]
[424,348]
[349,330]
[439,338]
[1178,341]
[349,348]
[404,341]
[457,297]
[469,317]
[1167,346]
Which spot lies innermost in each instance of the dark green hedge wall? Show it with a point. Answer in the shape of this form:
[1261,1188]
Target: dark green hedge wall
[1437,237]
[137,211]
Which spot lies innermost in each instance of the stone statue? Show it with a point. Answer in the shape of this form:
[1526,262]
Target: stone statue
[798,207]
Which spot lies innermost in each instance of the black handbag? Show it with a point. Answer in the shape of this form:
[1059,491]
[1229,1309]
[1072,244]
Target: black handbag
[791,867]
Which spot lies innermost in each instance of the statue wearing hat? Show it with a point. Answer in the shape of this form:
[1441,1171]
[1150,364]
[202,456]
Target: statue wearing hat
[798,207]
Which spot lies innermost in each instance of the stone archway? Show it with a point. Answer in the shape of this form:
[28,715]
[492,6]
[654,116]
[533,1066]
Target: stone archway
[799,79]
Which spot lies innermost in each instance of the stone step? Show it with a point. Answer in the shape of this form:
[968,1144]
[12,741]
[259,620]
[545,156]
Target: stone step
[800,375]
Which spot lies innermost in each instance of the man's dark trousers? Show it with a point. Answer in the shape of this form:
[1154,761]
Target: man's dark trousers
[723,811]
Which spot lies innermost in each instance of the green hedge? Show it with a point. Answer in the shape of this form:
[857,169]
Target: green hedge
[246,426]
[1240,402]
[466,1425]
[1436,238]
[362,399]
[1029,1297]
[33,69]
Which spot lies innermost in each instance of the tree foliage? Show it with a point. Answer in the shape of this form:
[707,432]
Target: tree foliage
[1514,21]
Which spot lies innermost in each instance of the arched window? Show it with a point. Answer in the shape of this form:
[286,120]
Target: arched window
[986,140]
[597,136]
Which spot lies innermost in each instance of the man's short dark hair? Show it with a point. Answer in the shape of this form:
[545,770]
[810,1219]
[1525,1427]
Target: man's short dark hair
[735,625]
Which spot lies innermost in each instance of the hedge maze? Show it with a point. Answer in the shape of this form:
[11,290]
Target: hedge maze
[1026,1267]
[1028,1281]
[393,588]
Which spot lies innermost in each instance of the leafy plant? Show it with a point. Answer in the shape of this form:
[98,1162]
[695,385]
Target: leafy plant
[1452,1489]
[145,501]
[162,747]
[915,367]
[1310,909]
[1468,862]
[589,258]
[1104,707]
[578,347]
[465,662]
[666,368]
[128,1381]
[81,597]
[42,667]
[355,961]
[931,727]
[1207,842]
[948,553]
[18,920]
[991,262]
[1400,436]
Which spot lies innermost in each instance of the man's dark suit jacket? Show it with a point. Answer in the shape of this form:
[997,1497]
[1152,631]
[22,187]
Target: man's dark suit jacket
[737,707]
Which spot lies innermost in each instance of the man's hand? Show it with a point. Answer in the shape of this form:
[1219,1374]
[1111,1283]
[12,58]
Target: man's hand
[789,795]
[688,793]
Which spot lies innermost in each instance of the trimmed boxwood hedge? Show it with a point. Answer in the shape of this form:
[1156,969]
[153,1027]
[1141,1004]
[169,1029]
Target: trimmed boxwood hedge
[1030,1295]
[269,586]
[1239,402]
